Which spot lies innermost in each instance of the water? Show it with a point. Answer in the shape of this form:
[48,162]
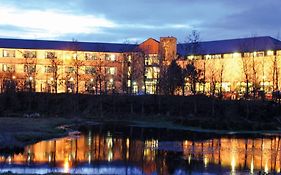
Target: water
[135,151]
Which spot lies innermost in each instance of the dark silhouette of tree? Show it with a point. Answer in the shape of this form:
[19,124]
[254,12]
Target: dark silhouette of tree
[175,77]
[194,76]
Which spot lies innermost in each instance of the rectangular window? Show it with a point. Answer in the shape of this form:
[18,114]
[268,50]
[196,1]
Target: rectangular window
[90,56]
[260,54]
[90,70]
[111,70]
[110,57]
[8,68]
[9,53]
[51,55]
[49,69]
[30,68]
[29,54]
[69,69]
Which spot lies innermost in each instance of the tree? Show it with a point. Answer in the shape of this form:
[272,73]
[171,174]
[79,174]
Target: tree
[193,75]
[30,71]
[175,77]
[54,69]
[246,70]
[77,63]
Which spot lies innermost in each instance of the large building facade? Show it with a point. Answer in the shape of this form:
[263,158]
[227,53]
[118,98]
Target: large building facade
[70,67]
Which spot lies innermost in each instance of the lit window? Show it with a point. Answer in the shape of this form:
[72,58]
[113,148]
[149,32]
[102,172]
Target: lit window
[69,69]
[90,56]
[51,55]
[9,53]
[30,68]
[269,53]
[129,58]
[8,68]
[236,55]
[111,70]
[191,57]
[90,70]
[208,56]
[49,69]
[29,54]
[259,54]
[110,57]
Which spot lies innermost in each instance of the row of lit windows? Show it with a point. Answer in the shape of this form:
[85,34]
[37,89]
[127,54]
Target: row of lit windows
[31,68]
[235,55]
[53,55]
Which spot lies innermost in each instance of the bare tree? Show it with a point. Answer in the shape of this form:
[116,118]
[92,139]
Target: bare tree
[246,66]
[30,70]
[77,63]
[221,74]
[55,64]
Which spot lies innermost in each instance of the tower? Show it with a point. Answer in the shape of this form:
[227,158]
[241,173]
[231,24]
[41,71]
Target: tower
[167,49]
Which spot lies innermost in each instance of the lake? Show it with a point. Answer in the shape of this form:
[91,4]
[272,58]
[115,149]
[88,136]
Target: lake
[111,150]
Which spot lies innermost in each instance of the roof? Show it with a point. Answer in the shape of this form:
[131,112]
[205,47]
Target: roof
[229,46]
[66,45]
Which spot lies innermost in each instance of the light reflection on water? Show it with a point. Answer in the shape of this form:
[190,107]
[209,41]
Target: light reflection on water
[94,153]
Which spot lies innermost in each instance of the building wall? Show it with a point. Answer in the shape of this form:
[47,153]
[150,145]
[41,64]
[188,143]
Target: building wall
[259,67]
[108,65]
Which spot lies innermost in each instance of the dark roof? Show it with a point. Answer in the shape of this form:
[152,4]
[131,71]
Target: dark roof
[66,45]
[229,46]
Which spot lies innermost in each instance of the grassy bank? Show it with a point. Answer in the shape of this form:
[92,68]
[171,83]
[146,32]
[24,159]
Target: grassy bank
[196,111]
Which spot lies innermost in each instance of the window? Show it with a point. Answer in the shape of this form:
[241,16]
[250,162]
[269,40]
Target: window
[90,70]
[29,54]
[110,57]
[9,53]
[29,68]
[111,70]
[270,53]
[69,70]
[51,55]
[49,69]
[90,56]
[259,54]
[247,54]
[8,68]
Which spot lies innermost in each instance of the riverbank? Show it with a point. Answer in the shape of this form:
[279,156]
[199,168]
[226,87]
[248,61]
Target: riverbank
[16,133]
[32,117]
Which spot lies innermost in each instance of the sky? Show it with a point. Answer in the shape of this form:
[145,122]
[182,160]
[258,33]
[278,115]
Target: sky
[134,21]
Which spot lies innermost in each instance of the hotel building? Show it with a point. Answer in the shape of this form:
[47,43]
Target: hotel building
[70,67]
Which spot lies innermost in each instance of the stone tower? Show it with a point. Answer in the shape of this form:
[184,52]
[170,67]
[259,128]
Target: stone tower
[168,49]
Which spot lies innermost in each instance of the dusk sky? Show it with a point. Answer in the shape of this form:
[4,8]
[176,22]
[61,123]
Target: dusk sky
[137,20]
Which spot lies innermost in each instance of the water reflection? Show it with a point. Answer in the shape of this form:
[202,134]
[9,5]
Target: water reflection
[95,153]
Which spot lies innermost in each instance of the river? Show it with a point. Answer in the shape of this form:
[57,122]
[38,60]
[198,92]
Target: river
[112,151]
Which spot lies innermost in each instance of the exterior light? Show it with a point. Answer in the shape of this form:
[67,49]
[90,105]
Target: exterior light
[52,79]
[134,83]
[92,80]
[111,80]
[30,78]
[14,77]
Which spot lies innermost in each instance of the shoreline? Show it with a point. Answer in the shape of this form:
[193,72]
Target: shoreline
[16,133]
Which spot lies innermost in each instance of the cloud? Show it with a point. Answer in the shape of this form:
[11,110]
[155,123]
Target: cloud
[119,20]
[52,23]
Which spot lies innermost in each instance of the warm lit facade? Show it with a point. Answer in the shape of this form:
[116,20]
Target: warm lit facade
[56,66]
